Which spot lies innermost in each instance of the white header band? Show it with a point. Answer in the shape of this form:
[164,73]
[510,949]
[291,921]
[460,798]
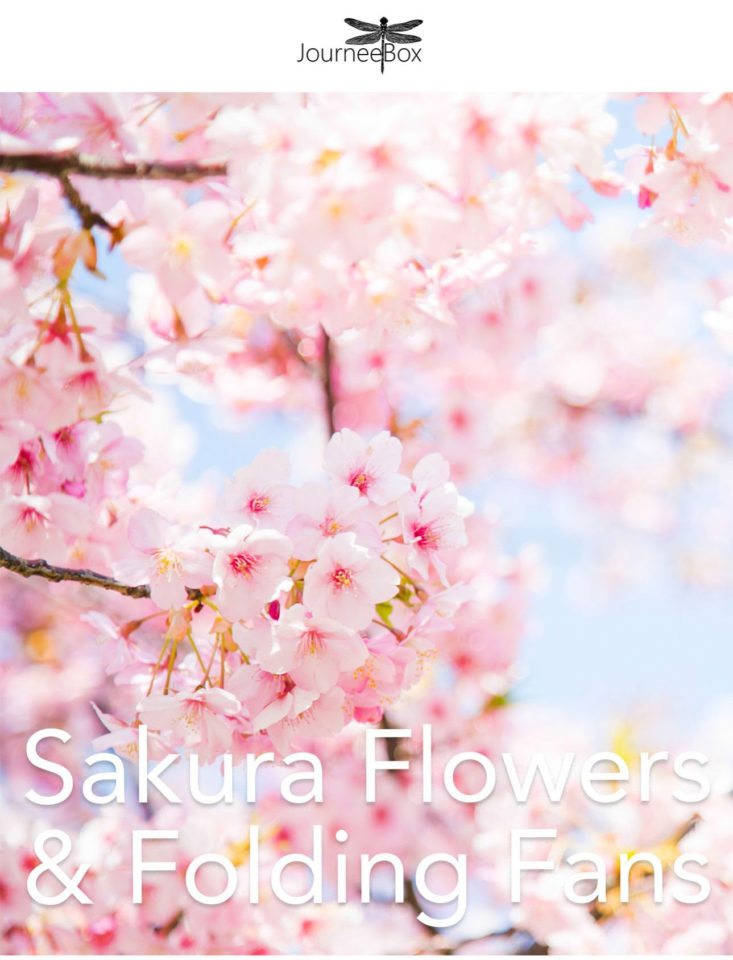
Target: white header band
[240,45]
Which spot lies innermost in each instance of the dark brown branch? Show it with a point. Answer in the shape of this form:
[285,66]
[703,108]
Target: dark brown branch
[390,743]
[530,947]
[40,568]
[89,218]
[65,165]
[412,901]
[323,372]
[328,365]
[59,165]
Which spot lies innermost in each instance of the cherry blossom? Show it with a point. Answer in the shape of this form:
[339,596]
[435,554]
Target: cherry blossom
[184,246]
[313,651]
[258,494]
[199,718]
[371,468]
[326,512]
[171,565]
[398,307]
[347,581]
[248,567]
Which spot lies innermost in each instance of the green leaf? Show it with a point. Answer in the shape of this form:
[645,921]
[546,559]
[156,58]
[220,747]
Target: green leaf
[385,612]
[498,700]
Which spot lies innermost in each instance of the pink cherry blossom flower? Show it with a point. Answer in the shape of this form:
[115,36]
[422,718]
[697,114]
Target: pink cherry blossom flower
[312,650]
[258,494]
[26,395]
[284,710]
[379,679]
[248,568]
[346,581]
[311,716]
[13,307]
[269,697]
[201,719]
[431,472]
[322,512]
[121,650]
[124,738]
[35,525]
[431,524]
[183,246]
[14,436]
[372,468]
[154,316]
[171,560]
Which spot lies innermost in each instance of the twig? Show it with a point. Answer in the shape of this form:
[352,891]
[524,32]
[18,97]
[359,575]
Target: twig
[324,373]
[414,903]
[171,664]
[40,568]
[390,743]
[328,365]
[157,666]
[89,218]
[530,949]
[63,166]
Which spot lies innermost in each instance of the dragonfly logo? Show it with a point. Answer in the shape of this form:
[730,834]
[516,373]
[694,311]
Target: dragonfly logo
[388,36]
[391,37]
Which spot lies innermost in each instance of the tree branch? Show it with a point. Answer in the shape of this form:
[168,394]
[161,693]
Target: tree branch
[59,165]
[64,165]
[531,948]
[328,364]
[89,218]
[40,568]
[390,743]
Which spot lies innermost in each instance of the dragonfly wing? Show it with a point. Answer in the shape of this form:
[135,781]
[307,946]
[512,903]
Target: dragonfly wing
[361,25]
[407,25]
[402,37]
[366,37]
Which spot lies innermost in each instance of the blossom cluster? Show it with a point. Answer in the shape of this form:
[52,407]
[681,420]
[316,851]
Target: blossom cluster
[312,606]
[685,183]
[393,286]
[322,220]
